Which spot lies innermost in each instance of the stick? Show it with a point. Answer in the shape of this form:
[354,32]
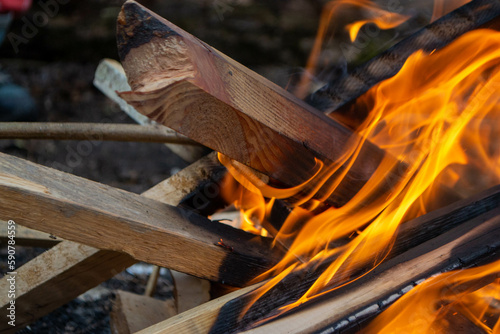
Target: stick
[93,131]
[435,36]
[82,267]
[152,281]
[181,82]
[106,218]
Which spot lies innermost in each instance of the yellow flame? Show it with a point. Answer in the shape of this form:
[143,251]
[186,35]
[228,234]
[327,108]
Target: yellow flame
[384,21]
[474,293]
[375,14]
[439,115]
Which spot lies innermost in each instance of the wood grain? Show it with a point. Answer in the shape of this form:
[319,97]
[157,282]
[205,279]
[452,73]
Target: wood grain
[182,83]
[107,218]
[97,266]
[110,78]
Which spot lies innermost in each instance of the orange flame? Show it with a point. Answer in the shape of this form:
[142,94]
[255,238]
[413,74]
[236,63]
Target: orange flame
[474,293]
[382,18]
[439,115]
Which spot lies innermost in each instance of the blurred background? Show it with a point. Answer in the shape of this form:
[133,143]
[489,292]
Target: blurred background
[52,51]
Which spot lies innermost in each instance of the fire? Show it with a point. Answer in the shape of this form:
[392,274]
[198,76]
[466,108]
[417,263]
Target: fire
[439,115]
[430,306]
[384,19]
[372,12]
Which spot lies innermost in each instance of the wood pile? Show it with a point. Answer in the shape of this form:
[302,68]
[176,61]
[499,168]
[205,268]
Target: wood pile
[206,98]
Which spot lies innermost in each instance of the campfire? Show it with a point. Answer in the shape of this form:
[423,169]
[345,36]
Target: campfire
[430,129]
[368,204]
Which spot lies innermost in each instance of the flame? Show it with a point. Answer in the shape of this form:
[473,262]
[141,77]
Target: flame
[384,19]
[439,115]
[473,293]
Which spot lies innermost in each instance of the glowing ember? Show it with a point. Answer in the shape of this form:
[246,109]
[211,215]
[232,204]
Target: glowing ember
[437,115]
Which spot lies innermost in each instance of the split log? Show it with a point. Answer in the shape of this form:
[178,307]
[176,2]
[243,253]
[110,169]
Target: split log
[93,131]
[435,36]
[132,313]
[110,78]
[79,268]
[106,218]
[459,216]
[182,83]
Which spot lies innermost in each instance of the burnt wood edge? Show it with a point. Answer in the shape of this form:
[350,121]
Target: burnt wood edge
[354,322]
[295,285]
[70,198]
[436,35]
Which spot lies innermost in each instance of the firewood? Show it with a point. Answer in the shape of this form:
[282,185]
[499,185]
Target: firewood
[132,313]
[439,229]
[107,218]
[110,78]
[435,36]
[181,82]
[81,267]
[92,131]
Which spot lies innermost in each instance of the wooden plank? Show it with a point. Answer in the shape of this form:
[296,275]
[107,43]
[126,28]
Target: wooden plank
[435,36]
[99,265]
[468,213]
[110,78]
[106,218]
[28,237]
[132,313]
[182,83]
